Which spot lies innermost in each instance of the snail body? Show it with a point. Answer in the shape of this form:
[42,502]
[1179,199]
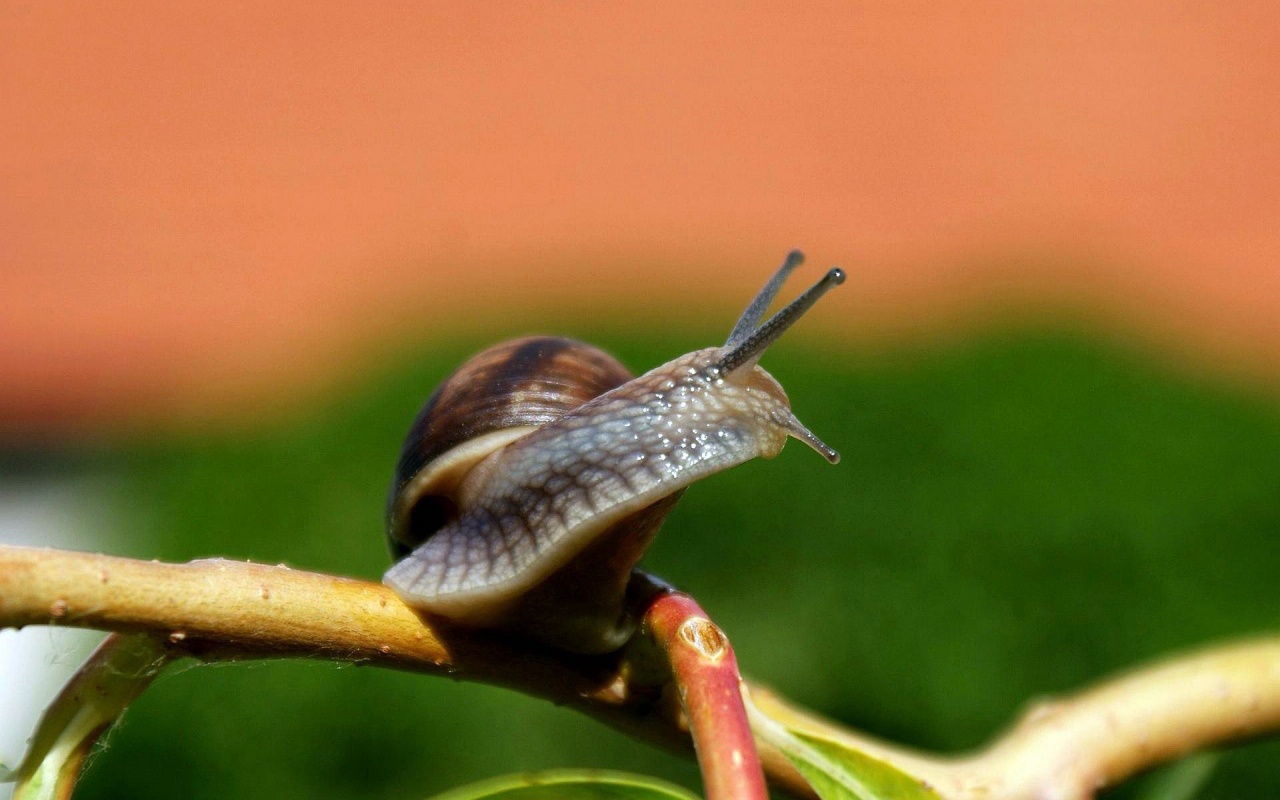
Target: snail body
[536,476]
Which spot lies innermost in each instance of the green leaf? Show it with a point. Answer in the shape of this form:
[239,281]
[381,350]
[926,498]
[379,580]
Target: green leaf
[841,773]
[91,702]
[1183,780]
[834,770]
[570,784]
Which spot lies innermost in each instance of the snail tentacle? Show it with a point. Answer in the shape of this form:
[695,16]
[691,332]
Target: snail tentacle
[747,353]
[750,319]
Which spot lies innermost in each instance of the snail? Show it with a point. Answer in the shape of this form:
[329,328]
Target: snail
[537,474]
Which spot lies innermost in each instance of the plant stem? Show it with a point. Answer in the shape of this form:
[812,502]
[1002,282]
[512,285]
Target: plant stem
[95,697]
[706,674]
[227,610]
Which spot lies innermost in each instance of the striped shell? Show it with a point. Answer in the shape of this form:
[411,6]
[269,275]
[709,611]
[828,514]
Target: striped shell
[497,396]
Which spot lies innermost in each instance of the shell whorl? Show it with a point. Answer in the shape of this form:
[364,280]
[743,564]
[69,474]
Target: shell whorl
[513,386]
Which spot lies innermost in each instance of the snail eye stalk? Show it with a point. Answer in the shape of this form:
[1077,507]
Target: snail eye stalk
[745,350]
[750,319]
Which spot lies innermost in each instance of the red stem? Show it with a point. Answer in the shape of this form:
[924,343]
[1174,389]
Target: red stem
[706,674]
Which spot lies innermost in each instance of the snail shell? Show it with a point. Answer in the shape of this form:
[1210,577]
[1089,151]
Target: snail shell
[497,396]
[537,474]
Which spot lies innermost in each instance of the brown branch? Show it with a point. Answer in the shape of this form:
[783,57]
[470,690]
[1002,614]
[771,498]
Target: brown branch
[1069,748]
[220,610]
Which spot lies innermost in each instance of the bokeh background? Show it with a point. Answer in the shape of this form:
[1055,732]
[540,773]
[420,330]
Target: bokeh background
[240,243]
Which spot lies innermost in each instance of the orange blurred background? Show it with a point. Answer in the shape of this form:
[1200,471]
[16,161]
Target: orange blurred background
[204,205]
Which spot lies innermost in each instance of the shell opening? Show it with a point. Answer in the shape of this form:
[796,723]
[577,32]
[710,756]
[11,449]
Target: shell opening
[428,515]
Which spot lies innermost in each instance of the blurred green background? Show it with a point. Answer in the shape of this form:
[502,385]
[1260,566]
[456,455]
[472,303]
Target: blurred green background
[1019,511]
[219,214]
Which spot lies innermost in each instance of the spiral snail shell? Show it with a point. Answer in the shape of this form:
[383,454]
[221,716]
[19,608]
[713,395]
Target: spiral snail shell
[537,474]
